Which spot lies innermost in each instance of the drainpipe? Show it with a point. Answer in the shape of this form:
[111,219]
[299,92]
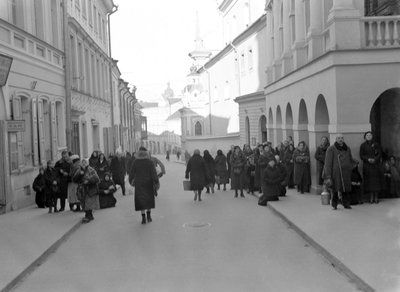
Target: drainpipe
[239,66]
[67,67]
[115,9]
[209,96]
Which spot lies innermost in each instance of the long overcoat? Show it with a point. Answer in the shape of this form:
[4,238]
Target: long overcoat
[263,160]
[221,169]
[102,168]
[339,163]
[302,175]
[144,177]
[320,157]
[289,165]
[210,168]
[39,186]
[63,168]
[372,172]
[51,176]
[89,191]
[118,170]
[271,183]
[238,162]
[196,167]
[73,186]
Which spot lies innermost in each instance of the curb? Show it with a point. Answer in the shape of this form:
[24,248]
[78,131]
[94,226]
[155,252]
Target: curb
[40,260]
[335,262]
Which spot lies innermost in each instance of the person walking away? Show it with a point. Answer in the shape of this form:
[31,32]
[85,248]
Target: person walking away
[371,154]
[52,186]
[63,167]
[103,166]
[338,167]
[39,186]
[106,192]
[143,177]
[271,181]
[221,170]
[88,181]
[178,155]
[302,175]
[289,165]
[117,168]
[73,200]
[238,162]
[251,173]
[282,172]
[210,168]
[320,157]
[167,157]
[196,170]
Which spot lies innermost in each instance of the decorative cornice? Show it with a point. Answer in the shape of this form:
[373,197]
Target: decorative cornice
[255,96]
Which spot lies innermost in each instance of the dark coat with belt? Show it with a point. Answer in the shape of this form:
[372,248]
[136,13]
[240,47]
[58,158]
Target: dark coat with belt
[302,175]
[339,164]
[320,157]
[118,170]
[221,169]
[143,177]
[372,172]
[107,200]
[90,191]
[271,183]
[39,186]
[196,167]
[63,168]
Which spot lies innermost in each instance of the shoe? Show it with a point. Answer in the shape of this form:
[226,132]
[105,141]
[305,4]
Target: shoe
[348,207]
[62,209]
[200,199]
[55,210]
[224,189]
[143,219]
[86,220]
[334,208]
[242,195]
[149,218]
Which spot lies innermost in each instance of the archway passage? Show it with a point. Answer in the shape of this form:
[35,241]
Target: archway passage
[279,132]
[321,119]
[303,123]
[385,121]
[270,126]
[263,129]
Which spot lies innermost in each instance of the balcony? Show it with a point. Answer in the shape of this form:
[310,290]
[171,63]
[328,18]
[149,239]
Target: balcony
[381,32]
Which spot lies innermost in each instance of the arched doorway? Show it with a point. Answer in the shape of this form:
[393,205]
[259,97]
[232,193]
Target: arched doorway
[289,121]
[303,123]
[247,129]
[270,126]
[279,132]
[385,121]
[263,129]
[321,119]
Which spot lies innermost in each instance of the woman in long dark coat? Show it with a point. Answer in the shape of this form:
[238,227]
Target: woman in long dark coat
[221,170]
[320,157]
[271,181]
[143,177]
[210,168]
[88,181]
[103,167]
[118,171]
[371,154]
[52,186]
[238,162]
[106,192]
[289,165]
[94,160]
[196,168]
[39,186]
[302,175]
[265,157]
[257,174]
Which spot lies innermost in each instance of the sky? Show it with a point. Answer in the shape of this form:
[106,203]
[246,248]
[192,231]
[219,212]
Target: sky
[152,39]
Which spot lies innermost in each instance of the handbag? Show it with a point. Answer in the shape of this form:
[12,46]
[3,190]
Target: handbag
[262,201]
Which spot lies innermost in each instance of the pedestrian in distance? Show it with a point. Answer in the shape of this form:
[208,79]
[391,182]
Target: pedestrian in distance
[39,186]
[187,157]
[210,168]
[320,157]
[118,170]
[257,174]
[143,177]
[221,170]
[63,167]
[52,186]
[88,181]
[167,157]
[356,196]
[106,192]
[73,200]
[302,173]
[338,167]
[238,162]
[197,172]
[371,154]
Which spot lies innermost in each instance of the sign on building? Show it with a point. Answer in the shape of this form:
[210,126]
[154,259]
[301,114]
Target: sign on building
[16,126]
[5,66]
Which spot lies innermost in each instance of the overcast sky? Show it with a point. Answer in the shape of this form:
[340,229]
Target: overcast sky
[152,39]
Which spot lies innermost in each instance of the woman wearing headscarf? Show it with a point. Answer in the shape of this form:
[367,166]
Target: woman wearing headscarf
[371,155]
[106,192]
[73,199]
[118,171]
[238,162]
[210,168]
[143,177]
[320,157]
[39,185]
[52,189]
[94,160]
[302,175]
[103,166]
[88,181]
[196,169]
[221,170]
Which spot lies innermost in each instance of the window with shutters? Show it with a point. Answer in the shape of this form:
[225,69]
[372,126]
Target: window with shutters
[12,137]
[60,124]
[47,130]
[26,136]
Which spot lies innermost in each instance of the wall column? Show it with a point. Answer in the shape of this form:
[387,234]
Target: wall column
[315,37]
[287,64]
[300,53]
[277,41]
[270,44]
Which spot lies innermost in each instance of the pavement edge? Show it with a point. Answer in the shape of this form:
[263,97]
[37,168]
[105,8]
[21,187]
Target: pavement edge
[41,259]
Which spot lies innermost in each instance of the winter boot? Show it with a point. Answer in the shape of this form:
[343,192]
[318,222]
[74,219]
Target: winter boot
[195,195]
[241,194]
[86,219]
[148,213]
[143,218]
[199,196]
[236,193]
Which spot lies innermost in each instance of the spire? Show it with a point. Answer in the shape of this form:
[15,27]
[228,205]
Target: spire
[198,41]
[199,53]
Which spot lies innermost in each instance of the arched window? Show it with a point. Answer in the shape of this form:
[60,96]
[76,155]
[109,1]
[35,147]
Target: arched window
[198,129]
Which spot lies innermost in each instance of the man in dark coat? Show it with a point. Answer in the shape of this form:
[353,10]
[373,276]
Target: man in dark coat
[63,167]
[283,174]
[302,173]
[338,166]
[143,177]
[371,154]
[118,170]
[196,167]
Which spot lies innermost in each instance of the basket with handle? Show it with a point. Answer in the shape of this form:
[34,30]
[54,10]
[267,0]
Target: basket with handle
[186,185]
